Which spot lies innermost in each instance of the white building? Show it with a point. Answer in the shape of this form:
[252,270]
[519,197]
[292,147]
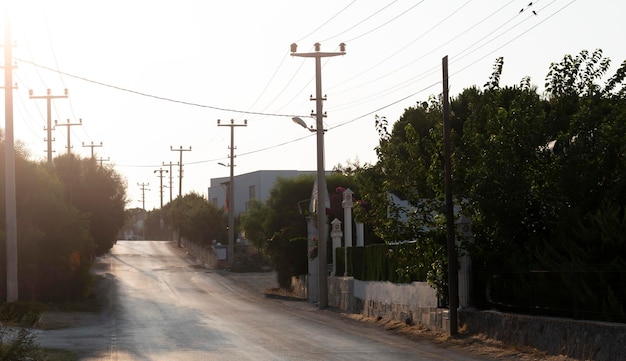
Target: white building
[254,185]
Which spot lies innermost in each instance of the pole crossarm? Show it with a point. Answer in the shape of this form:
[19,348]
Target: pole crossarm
[101,160]
[68,125]
[92,146]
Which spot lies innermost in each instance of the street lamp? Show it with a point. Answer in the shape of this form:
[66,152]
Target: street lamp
[321,176]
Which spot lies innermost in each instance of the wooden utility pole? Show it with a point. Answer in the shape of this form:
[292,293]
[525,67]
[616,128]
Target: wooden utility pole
[453,276]
[160,171]
[68,125]
[92,146]
[170,164]
[231,191]
[9,167]
[180,168]
[180,181]
[48,127]
[143,188]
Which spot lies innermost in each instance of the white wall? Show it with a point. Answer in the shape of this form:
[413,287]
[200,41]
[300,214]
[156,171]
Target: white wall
[263,181]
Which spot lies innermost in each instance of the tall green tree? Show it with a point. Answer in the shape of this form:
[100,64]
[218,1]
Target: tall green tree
[55,249]
[536,174]
[196,219]
[99,192]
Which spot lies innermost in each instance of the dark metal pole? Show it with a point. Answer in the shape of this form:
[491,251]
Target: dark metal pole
[453,277]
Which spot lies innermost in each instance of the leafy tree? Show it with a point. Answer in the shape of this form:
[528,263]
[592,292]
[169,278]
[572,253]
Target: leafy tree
[155,226]
[196,219]
[535,174]
[55,250]
[97,191]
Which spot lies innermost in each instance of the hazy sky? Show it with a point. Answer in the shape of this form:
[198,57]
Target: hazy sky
[147,75]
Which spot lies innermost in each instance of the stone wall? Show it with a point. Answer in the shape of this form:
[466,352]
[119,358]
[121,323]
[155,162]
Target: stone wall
[416,303]
[583,340]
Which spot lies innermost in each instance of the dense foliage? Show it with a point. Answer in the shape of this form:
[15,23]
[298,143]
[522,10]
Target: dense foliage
[543,178]
[68,212]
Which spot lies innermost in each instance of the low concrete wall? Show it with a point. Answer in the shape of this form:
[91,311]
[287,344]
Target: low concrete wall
[583,340]
[413,303]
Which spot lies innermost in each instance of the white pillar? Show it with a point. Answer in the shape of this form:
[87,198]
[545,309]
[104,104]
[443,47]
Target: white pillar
[347,204]
[336,235]
[360,235]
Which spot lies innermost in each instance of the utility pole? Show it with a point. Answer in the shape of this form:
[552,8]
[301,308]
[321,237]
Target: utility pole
[321,175]
[453,276]
[103,160]
[180,168]
[180,181]
[92,146]
[231,191]
[9,173]
[48,127]
[143,188]
[68,125]
[160,171]
[170,164]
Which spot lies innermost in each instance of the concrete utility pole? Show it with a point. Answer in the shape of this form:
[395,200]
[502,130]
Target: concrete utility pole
[321,175]
[48,127]
[9,167]
[143,188]
[68,125]
[160,171]
[180,168]
[231,191]
[92,146]
[103,160]
[170,164]
[453,276]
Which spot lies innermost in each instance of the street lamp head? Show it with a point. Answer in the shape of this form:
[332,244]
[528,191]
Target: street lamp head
[294,47]
[301,123]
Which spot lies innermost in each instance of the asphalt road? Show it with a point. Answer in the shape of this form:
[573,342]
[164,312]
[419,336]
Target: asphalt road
[163,307]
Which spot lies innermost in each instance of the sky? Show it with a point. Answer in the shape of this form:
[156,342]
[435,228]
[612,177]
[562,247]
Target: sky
[146,77]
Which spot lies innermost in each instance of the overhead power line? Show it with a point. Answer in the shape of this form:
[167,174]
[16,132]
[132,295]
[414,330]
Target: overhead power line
[155,96]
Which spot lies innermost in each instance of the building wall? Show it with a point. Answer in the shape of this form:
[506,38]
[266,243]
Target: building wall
[262,181]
